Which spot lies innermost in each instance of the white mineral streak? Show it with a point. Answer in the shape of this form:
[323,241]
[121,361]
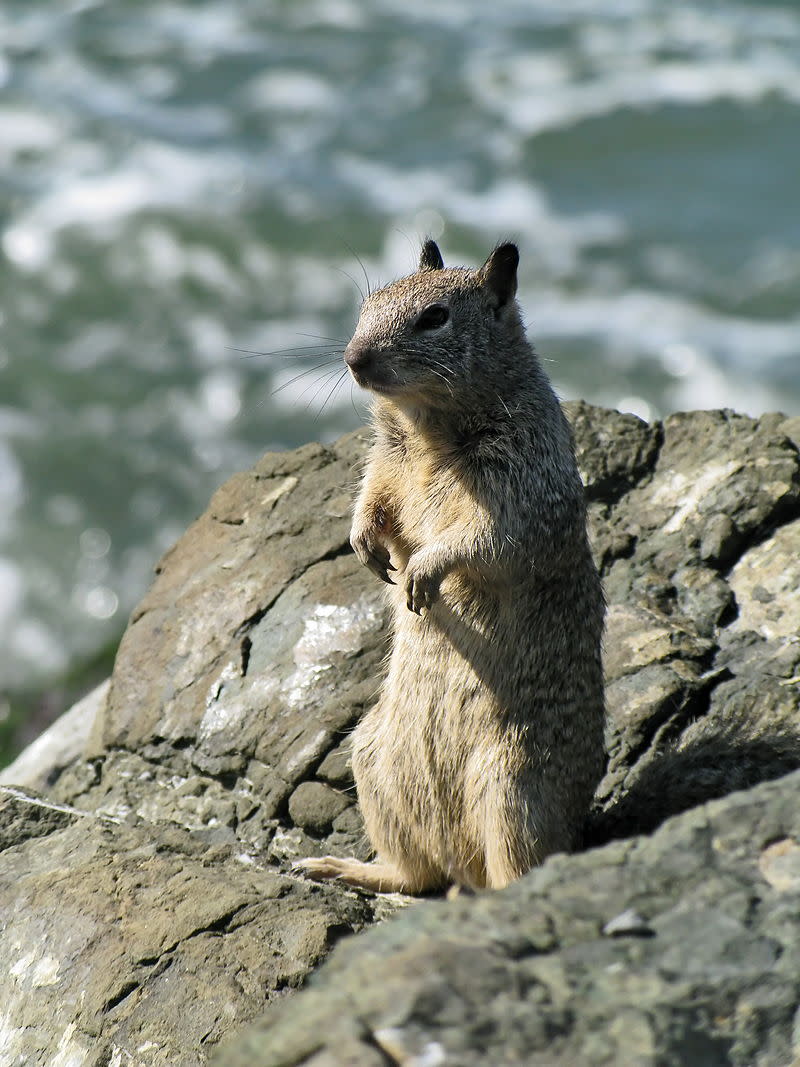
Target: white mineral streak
[219,714]
[41,802]
[69,1053]
[328,632]
[228,714]
[279,490]
[331,629]
[38,972]
[394,1041]
[690,491]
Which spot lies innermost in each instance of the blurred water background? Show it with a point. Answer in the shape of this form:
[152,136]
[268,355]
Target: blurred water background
[179,180]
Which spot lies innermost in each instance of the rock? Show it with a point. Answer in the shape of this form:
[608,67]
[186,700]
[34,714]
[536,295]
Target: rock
[220,755]
[60,745]
[765,583]
[314,806]
[701,698]
[703,970]
[121,942]
[24,817]
[337,767]
[268,638]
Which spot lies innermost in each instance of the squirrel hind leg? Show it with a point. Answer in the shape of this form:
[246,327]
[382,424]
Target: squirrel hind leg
[505,865]
[513,841]
[379,876]
[516,848]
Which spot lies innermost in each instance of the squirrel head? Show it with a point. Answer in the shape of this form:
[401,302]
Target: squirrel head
[430,335]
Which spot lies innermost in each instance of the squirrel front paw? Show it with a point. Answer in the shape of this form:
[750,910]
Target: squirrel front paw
[422,586]
[372,553]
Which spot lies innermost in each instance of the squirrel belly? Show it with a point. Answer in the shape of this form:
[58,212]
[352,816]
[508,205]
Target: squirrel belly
[485,747]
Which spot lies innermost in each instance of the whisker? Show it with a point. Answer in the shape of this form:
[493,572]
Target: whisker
[445,380]
[358,414]
[445,368]
[320,382]
[505,405]
[363,268]
[322,337]
[333,392]
[302,374]
[447,376]
[352,279]
[444,372]
[296,350]
[324,382]
[410,242]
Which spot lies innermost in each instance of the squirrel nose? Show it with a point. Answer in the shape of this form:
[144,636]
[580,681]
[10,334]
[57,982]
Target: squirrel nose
[358,356]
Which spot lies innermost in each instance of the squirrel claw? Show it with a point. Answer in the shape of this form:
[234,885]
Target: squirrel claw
[374,557]
[381,570]
[421,592]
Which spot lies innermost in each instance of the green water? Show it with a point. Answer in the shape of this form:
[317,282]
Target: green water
[180,180]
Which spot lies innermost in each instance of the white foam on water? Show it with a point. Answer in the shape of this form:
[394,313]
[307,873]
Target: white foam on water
[635,405]
[95,344]
[220,395]
[31,641]
[11,487]
[637,56]
[152,175]
[11,593]
[712,387]
[150,170]
[533,110]
[291,91]
[508,206]
[715,360]
[209,30]
[23,129]
[342,14]
[654,322]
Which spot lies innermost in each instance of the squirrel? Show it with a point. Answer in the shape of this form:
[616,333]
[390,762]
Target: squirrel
[484,750]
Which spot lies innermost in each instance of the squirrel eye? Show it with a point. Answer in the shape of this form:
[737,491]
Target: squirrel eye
[432,317]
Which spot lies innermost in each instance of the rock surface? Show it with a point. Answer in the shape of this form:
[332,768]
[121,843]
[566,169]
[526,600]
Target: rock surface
[120,942]
[156,906]
[676,949]
[57,747]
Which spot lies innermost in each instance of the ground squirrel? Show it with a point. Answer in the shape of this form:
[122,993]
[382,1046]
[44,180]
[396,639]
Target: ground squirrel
[484,750]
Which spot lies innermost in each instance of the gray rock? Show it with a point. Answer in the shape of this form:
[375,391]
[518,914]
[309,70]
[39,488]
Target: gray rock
[220,755]
[337,767]
[60,745]
[24,816]
[314,806]
[766,585]
[128,946]
[703,970]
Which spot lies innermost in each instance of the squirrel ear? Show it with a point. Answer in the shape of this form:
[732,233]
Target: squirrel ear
[430,257]
[499,273]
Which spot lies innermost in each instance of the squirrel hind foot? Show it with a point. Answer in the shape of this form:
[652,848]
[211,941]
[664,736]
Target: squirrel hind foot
[378,876]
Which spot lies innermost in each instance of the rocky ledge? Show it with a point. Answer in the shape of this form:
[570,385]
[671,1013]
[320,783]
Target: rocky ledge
[148,912]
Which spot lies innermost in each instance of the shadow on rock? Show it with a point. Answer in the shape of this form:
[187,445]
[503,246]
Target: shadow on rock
[679,779]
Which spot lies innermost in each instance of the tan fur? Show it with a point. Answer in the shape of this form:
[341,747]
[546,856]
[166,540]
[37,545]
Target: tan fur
[484,749]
